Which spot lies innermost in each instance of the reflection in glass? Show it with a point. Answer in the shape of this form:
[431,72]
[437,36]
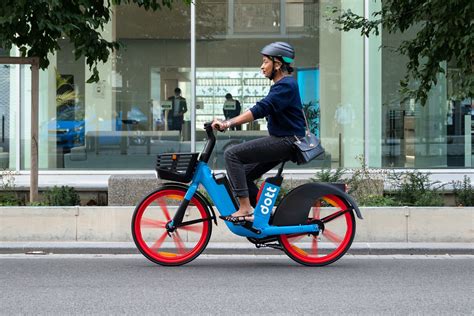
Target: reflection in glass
[9,105]
[252,16]
[122,121]
[437,135]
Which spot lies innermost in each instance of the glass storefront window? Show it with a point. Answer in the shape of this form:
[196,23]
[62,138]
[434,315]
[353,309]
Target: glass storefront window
[10,92]
[245,86]
[341,56]
[257,17]
[141,106]
[437,135]
[231,65]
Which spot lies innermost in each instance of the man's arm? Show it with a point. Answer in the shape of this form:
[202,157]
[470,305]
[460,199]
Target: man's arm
[184,106]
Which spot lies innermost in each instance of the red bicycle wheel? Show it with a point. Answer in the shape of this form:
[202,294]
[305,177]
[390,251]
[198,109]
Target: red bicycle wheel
[330,244]
[182,245]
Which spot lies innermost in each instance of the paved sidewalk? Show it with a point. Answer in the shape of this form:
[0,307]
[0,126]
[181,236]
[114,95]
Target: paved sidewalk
[232,248]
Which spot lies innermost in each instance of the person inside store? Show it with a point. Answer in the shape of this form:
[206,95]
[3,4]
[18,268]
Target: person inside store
[175,116]
[282,108]
[232,109]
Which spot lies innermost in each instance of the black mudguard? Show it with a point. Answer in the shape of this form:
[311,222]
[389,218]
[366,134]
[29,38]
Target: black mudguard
[295,206]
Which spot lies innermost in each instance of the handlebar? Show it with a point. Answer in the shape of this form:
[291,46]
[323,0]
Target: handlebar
[211,142]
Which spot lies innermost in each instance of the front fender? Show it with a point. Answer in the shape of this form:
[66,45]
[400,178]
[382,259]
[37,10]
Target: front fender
[295,206]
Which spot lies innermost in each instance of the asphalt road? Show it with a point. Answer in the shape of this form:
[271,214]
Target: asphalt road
[257,285]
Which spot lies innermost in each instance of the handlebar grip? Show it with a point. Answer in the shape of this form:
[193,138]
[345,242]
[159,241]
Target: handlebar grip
[208,126]
[209,130]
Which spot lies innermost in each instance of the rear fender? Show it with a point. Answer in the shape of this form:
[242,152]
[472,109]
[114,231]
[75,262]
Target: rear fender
[295,206]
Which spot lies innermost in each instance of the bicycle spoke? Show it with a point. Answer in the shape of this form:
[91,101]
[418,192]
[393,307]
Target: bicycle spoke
[194,229]
[298,249]
[317,210]
[332,236]
[147,222]
[314,246]
[164,207]
[296,238]
[333,216]
[157,244]
[179,242]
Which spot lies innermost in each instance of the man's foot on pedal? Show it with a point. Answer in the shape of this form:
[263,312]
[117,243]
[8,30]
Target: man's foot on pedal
[239,219]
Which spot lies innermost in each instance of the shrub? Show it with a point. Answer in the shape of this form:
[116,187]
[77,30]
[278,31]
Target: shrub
[206,195]
[62,196]
[463,192]
[40,203]
[367,185]
[8,197]
[378,200]
[413,188]
[329,175]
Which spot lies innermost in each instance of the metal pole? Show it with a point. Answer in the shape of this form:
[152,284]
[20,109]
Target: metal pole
[34,130]
[366,91]
[193,76]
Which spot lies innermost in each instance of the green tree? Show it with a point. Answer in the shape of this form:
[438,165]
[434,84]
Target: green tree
[36,26]
[445,33]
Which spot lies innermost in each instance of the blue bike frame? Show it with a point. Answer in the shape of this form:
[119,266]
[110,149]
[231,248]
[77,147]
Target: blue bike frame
[261,228]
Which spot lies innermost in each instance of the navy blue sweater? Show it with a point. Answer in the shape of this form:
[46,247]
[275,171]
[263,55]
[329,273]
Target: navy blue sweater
[282,109]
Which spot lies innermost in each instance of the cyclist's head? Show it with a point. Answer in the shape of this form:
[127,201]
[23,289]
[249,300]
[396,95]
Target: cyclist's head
[228,96]
[281,52]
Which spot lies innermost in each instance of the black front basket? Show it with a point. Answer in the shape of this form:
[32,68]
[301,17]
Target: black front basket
[176,166]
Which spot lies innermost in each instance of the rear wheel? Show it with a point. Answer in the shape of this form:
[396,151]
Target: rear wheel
[330,244]
[183,244]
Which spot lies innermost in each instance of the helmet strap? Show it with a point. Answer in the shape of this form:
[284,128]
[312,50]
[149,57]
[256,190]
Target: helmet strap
[272,75]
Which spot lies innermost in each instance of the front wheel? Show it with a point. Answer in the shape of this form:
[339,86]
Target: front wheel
[183,244]
[332,242]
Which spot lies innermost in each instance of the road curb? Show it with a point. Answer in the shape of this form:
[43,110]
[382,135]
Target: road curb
[224,248]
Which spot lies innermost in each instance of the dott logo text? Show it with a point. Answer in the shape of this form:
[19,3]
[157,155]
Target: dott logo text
[269,195]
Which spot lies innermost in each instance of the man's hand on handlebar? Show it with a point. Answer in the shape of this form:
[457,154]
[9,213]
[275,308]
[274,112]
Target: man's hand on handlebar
[220,125]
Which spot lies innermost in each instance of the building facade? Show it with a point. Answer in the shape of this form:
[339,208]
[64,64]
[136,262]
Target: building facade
[156,92]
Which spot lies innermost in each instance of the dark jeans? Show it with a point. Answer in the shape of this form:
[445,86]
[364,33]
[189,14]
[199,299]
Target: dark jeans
[248,161]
